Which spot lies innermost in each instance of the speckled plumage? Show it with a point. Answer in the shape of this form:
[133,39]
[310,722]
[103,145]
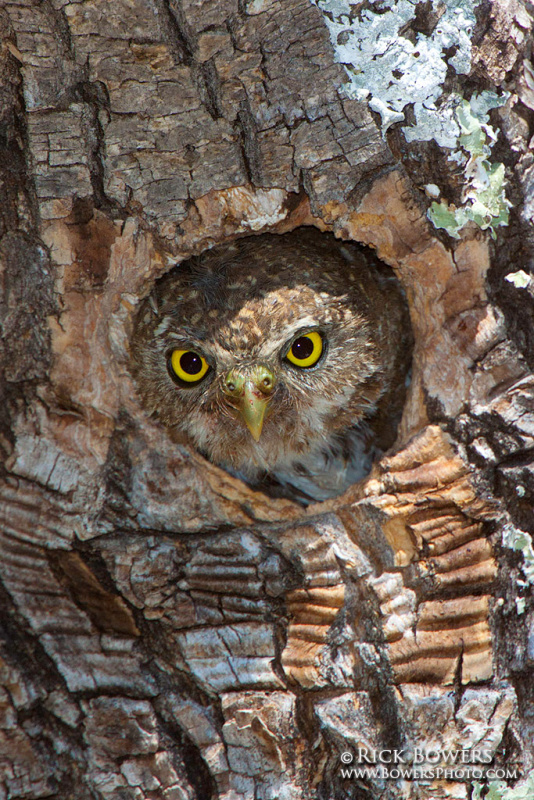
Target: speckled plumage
[240,305]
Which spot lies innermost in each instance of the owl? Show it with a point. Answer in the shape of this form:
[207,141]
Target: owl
[281,358]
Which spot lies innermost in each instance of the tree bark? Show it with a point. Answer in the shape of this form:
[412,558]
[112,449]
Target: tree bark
[166,631]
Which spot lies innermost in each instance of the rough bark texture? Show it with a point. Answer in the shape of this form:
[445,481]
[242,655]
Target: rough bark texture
[166,632]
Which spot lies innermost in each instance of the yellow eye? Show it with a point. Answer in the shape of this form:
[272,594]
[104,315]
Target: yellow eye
[306,350]
[187,366]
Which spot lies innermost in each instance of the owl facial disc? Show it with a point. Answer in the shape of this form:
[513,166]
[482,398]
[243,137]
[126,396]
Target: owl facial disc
[248,391]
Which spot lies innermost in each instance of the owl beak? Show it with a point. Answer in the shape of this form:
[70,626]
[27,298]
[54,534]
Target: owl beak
[253,407]
[250,394]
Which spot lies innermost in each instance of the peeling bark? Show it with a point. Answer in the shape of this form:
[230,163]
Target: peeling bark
[166,631]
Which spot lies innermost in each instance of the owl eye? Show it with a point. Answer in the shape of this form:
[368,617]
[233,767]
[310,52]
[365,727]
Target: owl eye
[306,350]
[187,366]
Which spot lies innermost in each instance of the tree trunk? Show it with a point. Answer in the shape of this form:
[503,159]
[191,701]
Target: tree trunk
[167,631]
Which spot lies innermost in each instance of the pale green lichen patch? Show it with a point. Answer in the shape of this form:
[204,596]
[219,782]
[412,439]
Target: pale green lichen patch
[520,279]
[392,70]
[521,542]
[483,198]
[499,790]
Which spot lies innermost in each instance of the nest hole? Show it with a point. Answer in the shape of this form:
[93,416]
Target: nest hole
[283,358]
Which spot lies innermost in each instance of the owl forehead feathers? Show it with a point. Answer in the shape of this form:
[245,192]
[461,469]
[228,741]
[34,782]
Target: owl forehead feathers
[238,297]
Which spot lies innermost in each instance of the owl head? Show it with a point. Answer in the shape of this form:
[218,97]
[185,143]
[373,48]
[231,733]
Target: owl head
[264,349]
